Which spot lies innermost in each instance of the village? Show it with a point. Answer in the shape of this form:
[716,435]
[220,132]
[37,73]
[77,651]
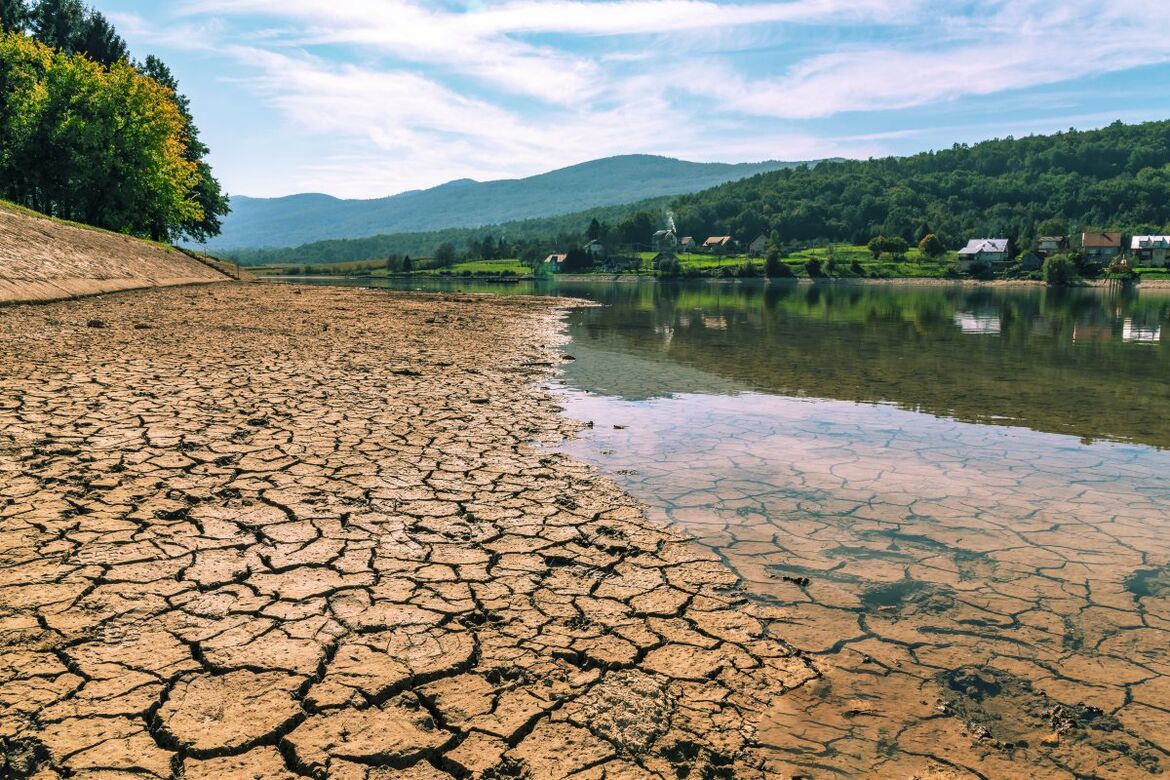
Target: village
[1092,253]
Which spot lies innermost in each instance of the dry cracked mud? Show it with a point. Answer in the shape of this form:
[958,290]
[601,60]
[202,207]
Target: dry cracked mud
[265,532]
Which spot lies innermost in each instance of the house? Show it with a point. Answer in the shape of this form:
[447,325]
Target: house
[757,247]
[984,251]
[718,245]
[1047,246]
[1101,248]
[664,241]
[556,261]
[687,244]
[594,249]
[1150,250]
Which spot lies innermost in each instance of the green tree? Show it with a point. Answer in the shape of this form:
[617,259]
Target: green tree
[931,246]
[99,41]
[594,231]
[772,264]
[445,255]
[59,24]
[876,246]
[207,191]
[1059,270]
[13,16]
[407,265]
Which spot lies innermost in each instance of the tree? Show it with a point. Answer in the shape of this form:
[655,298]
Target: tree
[813,268]
[93,144]
[876,246]
[99,41]
[1059,270]
[207,191]
[445,255]
[577,260]
[772,263]
[931,246]
[13,16]
[59,24]
[407,265]
[594,231]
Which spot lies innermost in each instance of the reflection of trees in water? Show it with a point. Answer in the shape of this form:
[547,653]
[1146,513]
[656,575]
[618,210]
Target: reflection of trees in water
[1051,359]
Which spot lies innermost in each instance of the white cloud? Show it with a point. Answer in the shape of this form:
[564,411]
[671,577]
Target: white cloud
[422,93]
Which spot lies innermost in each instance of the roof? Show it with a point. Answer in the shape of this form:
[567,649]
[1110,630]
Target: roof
[663,233]
[555,259]
[760,238]
[717,241]
[689,240]
[1051,240]
[1101,240]
[1150,242]
[990,245]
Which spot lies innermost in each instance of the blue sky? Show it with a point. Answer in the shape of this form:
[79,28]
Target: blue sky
[364,98]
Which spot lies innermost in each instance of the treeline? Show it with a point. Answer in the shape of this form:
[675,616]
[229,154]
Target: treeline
[1117,177]
[89,135]
[527,240]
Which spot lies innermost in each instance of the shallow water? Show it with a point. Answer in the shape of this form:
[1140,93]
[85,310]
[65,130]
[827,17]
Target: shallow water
[957,497]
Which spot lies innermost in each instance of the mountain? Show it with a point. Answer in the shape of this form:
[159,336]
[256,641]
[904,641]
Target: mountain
[302,219]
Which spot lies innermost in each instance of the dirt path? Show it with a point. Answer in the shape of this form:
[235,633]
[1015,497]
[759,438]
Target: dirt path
[261,532]
[45,260]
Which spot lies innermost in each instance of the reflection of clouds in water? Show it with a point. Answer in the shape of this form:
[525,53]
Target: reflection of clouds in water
[995,546]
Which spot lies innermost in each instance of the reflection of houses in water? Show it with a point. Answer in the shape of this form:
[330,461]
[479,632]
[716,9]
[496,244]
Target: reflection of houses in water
[715,323]
[1092,332]
[979,324]
[1139,333]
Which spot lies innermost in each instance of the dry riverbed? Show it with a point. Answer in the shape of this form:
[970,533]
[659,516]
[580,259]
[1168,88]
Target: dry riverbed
[271,532]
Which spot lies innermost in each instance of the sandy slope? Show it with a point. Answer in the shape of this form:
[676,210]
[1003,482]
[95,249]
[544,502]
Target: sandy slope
[45,260]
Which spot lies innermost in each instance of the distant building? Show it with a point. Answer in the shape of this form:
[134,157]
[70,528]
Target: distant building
[1150,250]
[664,241]
[1047,246]
[1101,248]
[984,251]
[719,244]
[687,244]
[758,247]
[594,249]
[556,261]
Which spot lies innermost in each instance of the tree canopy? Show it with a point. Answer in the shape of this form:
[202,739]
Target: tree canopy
[1116,177]
[87,135]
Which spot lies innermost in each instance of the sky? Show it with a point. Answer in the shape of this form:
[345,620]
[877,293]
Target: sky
[367,98]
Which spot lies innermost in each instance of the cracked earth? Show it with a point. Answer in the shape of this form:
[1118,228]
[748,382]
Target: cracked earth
[272,533]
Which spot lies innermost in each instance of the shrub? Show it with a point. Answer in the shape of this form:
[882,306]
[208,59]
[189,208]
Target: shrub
[669,268]
[813,268]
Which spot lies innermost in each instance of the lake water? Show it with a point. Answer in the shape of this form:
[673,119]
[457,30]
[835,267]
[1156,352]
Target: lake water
[957,498]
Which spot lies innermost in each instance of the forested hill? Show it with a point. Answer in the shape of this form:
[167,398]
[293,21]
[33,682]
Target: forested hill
[1116,177]
[301,219]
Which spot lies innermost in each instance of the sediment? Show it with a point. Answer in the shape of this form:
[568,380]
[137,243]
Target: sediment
[271,532]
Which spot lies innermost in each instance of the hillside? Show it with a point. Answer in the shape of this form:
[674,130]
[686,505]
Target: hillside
[303,219]
[42,259]
[1116,177]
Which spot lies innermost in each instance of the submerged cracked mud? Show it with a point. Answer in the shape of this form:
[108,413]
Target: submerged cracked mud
[309,533]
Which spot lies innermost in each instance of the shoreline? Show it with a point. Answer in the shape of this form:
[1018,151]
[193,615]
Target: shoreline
[251,535]
[1151,284]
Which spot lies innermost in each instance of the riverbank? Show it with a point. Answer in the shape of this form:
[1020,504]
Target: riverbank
[264,531]
[504,282]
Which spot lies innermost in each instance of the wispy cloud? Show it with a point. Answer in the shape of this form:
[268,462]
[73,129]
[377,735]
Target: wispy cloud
[426,91]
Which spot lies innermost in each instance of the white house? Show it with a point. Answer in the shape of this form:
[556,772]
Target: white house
[1150,250]
[984,251]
